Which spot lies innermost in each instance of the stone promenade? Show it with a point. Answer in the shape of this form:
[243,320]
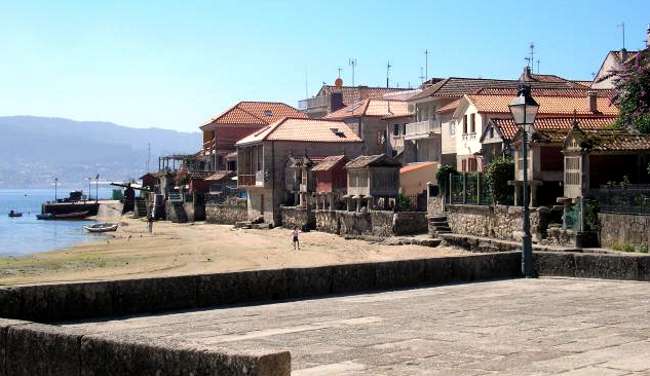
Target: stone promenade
[549,326]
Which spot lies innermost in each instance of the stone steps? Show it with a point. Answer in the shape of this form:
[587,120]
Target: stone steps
[438,225]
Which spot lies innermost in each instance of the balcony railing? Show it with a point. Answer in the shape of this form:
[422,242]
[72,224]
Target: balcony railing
[314,102]
[251,180]
[422,129]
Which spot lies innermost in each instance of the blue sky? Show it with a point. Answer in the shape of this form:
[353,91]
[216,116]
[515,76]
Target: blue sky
[175,64]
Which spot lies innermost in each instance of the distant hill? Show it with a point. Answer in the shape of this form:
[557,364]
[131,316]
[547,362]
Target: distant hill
[34,150]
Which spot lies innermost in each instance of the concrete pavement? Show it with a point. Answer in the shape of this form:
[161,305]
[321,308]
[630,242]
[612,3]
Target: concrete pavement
[548,326]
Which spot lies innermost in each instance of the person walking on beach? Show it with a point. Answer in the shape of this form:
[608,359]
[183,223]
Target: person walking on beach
[294,235]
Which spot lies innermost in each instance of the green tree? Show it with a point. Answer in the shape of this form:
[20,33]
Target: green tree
[442,176]
[632,93]
[498,173]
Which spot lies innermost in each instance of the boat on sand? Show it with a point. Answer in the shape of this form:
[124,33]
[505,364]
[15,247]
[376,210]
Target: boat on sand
[102,227]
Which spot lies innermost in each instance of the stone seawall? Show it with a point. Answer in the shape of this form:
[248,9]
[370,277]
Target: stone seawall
[619,229]
[378,223]
[30,349]
[500,222]
[73,301]
[226,213]
[295,216]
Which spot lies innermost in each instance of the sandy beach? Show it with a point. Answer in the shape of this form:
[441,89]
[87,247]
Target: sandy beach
[179,249]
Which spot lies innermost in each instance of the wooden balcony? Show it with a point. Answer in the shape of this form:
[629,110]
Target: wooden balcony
[251,180]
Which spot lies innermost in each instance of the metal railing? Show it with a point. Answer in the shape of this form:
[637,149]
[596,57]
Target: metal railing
[421,129]
[634,199]
[469,189]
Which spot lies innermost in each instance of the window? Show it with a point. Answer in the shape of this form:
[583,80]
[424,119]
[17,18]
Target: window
[395,129]
[404,128]
[491,132]
[452,128]
[464,165]
[465,124]
[472,123]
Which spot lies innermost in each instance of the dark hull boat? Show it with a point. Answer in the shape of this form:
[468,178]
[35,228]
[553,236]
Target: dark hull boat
[73,215]
[13,214]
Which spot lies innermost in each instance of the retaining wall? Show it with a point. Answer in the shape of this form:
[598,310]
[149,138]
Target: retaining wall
[30,349]
[380,223]
[175,211]
[73,301]
[296,216]
[226,213]
[495,221]
[619,229]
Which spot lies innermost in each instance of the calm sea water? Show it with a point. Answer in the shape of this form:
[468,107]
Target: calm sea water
[27,235]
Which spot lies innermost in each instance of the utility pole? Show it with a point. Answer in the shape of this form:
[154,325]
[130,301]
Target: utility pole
[388,73]
[426,65]
[421,77]
[353,63]
[537,66]
[622,26]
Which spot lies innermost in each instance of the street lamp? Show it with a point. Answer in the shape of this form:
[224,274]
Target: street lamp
[524,110]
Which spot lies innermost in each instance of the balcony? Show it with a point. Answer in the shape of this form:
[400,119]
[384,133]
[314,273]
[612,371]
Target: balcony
[251,180]
[422,129]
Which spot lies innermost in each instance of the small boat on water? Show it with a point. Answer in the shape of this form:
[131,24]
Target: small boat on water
[73,215]
[15,214]
[102,227]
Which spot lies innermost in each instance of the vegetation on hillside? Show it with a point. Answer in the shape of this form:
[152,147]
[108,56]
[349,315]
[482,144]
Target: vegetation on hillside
[632,93]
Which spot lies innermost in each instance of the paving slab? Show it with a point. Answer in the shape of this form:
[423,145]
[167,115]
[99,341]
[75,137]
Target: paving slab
[546,326]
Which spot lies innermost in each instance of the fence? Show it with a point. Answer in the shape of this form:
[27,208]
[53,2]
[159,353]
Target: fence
[633,199]
[469,189]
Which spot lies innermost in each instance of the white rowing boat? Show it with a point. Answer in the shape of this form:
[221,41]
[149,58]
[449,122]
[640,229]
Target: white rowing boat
[102,227]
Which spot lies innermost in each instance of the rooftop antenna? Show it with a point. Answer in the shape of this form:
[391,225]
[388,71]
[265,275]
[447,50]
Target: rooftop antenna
[537,66]
[421,77]
[532,55]
[306,85]
[622,26]
[426,65]
[353,63]
[388,66]
[339,69]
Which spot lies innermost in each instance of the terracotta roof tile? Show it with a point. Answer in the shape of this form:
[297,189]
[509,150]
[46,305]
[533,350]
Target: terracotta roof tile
[328,163]
[220,175]
[372,160]
[352,94]
[449,107]
[255,113]
[415,166]
[372,107]
[303,130]
[508,129]
[614,140]
[549,105]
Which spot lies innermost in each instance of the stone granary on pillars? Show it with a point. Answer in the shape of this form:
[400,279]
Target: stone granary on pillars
[221,133]
[331,181]
[545,158]
[299,180]
[373,180]
[595,157]
[262,156]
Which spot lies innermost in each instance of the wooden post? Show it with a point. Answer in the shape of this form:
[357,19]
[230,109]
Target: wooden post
[478,188]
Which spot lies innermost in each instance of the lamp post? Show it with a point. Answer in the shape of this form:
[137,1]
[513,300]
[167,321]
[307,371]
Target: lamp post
[97,188]
[524,110]
[56,186]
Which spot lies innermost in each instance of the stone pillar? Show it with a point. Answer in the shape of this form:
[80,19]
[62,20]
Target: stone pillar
[330,196]
[348,203]
[358,202]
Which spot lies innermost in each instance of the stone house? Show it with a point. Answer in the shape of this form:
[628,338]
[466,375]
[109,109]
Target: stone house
[372,181]
[476,110]
[262,156]
[331,98]
[545,158]
[221,133]
[331,181]
[369,119]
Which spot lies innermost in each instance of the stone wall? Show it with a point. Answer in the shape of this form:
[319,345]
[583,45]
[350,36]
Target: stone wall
[76,301]
[500,222]
[30,349]
[435,206]
[228,212]
[327,221]
[175,211]
[380,223]
[353,223]
[410,223]
[619,229]
[296,216]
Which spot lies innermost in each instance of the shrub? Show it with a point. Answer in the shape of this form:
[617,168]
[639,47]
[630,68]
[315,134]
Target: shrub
[632,93]
[442,176]
[403,203]
[498,173]
[643,248]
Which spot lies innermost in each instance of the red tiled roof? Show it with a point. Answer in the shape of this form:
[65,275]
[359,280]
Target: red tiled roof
[372,107]
[549,105]
[548,92]
[415,166]
[255,113]
[449,107]
[303,130]
[508,129]
[220,175]
[372,160]
[352,94]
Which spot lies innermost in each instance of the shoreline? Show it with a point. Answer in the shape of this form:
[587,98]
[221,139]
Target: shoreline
[196,248]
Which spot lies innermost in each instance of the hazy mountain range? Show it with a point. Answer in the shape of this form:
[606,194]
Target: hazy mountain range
[34,150]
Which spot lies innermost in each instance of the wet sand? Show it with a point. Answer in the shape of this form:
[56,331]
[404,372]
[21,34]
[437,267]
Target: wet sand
[180,249]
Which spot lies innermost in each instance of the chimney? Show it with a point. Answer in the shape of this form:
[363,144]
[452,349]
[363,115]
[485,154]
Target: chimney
[336,101]
[592,98]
